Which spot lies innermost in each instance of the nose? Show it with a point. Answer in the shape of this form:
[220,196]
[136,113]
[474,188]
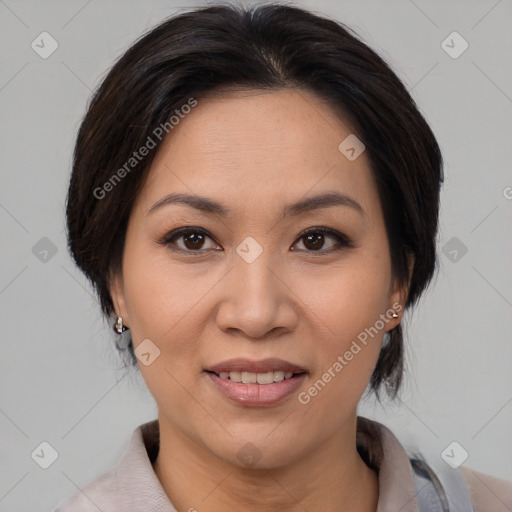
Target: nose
[257,301]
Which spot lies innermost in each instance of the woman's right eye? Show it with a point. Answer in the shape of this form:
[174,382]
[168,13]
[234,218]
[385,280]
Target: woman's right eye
[192,239]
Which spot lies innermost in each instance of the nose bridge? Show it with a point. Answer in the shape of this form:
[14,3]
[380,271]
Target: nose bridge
[255,267]
[256,298]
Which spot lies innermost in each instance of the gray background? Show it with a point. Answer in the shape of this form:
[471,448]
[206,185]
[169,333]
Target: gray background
[61,380]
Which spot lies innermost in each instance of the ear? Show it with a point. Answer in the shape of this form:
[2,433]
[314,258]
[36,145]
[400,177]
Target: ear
[398,296]
[116,288]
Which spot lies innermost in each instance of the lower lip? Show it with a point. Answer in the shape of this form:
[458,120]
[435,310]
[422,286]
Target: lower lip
[257,395]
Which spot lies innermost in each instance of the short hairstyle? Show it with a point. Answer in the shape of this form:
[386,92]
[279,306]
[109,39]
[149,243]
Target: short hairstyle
[212,50]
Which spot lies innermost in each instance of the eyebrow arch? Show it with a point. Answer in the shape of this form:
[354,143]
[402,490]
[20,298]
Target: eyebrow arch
[210,206]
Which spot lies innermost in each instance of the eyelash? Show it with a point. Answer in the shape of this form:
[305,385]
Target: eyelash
[343,240]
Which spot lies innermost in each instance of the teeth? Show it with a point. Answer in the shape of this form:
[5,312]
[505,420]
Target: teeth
[278,376]
[249,378]
[265,378]
[253,378]
[234,376]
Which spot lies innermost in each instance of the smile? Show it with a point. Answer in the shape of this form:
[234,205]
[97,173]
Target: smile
[256,378]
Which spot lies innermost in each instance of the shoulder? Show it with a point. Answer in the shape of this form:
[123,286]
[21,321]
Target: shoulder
[100,494]
[485,492]
[488,493]
[130,486]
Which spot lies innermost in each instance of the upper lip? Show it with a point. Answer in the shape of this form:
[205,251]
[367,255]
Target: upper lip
[260,366]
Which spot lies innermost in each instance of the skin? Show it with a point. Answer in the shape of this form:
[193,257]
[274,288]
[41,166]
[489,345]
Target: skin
[255,152]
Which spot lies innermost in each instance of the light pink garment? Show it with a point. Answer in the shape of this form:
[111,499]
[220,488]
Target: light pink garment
[132,485]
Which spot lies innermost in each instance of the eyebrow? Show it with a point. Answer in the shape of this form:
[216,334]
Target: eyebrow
[210,206]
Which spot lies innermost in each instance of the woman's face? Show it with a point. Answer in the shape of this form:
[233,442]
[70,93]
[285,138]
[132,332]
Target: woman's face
[258,280]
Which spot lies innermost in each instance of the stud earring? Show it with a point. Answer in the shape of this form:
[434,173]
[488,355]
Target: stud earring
[118,326]
[124,338]
[395,314]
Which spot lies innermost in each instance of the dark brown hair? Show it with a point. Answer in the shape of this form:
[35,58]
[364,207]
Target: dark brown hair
[212,49]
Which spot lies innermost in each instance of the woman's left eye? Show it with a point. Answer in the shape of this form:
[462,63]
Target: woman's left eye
[316,236]
[313,239]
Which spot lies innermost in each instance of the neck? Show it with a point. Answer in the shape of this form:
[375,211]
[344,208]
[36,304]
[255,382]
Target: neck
[331,478]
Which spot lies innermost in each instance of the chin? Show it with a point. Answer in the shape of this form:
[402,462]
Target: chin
[259,447]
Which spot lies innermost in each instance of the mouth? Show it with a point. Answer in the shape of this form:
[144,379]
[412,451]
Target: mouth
[256,383]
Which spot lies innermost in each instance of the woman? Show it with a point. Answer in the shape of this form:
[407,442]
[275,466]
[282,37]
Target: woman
[255,199]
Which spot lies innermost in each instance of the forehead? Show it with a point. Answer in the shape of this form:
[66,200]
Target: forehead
[265,146]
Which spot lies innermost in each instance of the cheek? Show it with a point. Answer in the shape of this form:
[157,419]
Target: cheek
[346,357]
[164,304]
[159,295]
[163,307]
[350,329]
[348,299]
